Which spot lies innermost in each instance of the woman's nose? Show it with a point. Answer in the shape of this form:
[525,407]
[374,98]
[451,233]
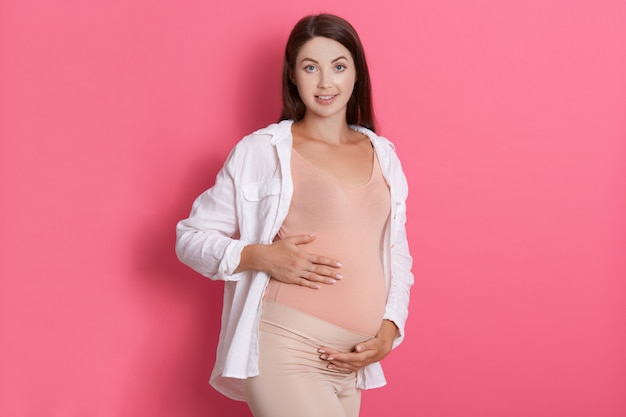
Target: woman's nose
[324,80]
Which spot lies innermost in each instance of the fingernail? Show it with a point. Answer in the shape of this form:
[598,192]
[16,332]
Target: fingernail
[338,264]
[323,357]
[339,276]
[321,351]
[331,281]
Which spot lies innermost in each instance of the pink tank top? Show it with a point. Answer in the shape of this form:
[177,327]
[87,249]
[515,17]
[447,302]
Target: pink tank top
[349,222]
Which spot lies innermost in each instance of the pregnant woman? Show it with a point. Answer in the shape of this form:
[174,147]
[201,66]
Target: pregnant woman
[306,224]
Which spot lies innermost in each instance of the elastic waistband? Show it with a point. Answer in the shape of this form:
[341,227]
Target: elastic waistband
[308,326]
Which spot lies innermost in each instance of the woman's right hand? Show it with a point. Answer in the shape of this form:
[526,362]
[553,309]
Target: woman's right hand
[287,262]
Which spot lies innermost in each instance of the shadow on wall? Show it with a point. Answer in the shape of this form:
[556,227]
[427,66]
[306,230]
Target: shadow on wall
[182,309]
[182,319]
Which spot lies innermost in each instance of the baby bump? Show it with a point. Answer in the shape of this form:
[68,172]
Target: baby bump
[356,302]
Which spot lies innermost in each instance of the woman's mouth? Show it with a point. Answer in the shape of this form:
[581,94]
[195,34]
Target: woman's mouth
[324,99]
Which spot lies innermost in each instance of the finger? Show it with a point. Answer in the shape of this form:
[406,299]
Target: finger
[345,365]
[345,357]
[307,283]
[328,355]
[324,260]
[353,360]
[301,239]
[342,359]
[325,275]
[313,258]
[367,345]
[339,368]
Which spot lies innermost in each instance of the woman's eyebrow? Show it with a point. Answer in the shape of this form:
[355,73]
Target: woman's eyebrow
[315,62]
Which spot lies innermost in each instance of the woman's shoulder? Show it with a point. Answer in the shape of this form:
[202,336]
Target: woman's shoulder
[264,138]
[380,142]
[275,131]
[258,149]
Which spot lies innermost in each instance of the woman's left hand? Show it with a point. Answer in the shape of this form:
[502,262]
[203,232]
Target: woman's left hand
[363,354]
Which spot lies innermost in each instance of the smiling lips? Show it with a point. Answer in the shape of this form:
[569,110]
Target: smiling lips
[324,99]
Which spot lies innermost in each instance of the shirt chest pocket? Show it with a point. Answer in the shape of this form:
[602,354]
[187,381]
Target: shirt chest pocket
[259,209]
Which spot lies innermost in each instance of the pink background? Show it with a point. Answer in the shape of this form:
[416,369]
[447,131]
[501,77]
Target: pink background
[509,116]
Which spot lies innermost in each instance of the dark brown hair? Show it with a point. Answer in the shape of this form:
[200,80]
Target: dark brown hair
[360,110]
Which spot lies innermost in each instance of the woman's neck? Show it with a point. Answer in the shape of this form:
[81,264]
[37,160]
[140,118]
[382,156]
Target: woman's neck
[331,130]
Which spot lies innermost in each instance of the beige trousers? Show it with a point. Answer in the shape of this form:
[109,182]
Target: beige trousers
[293,381]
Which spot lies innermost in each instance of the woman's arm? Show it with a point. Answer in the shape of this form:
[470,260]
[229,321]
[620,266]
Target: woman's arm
[207,240]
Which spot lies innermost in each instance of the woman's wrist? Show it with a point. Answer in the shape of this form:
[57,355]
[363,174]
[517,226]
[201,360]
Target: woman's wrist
[387,331]
[251,258]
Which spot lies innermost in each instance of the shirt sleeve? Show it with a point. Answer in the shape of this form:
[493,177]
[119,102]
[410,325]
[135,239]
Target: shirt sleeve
[397,307]
[207,241]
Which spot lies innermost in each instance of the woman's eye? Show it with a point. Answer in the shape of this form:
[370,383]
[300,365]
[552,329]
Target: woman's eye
[340,67]
[309,68]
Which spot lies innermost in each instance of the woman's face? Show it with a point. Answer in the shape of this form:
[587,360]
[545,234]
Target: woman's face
[325,74]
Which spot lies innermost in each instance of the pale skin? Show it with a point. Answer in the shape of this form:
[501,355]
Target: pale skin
[325,75]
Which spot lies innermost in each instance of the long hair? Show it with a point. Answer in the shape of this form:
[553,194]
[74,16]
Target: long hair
[360,110]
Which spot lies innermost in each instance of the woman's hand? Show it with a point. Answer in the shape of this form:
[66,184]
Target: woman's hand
[287,262]
[363,354]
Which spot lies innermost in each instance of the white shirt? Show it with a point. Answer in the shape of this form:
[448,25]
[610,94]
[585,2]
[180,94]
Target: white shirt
[247,204]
